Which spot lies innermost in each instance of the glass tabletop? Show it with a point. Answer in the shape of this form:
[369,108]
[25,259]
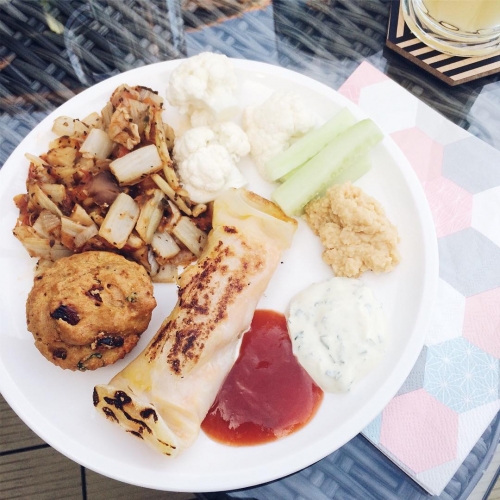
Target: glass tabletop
[51,50]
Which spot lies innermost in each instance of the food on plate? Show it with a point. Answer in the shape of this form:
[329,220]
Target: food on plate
[108,183]
[164,394]
[338,331]
[312,178]
[206,159]
[89,310]
[267,394]
[308,145]
[354,230]
[274,124]
[203,87]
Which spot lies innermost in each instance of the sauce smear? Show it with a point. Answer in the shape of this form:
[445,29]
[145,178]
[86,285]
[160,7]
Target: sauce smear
[267,395]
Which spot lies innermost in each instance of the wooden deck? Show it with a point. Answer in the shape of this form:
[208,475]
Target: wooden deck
[31,469]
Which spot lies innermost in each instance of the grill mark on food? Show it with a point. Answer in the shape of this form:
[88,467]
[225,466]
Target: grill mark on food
[188,340]
[149,412]
[158,341]
[95,397]
[110,414]
[122,399]
[203,302]
[135,433]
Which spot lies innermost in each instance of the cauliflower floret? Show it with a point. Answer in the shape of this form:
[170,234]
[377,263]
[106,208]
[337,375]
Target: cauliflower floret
[233,139]
[203,88]
[192,140]
[206,160]
[272,126]
[207,168]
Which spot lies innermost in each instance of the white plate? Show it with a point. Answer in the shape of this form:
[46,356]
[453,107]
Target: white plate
[57,404]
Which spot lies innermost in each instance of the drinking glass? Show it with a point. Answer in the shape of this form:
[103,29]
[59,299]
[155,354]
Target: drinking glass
[458,27]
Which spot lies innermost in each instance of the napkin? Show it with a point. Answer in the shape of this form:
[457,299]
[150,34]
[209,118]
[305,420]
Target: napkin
[452,394]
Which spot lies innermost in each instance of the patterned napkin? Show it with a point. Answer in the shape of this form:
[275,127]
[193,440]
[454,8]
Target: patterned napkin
[452,394]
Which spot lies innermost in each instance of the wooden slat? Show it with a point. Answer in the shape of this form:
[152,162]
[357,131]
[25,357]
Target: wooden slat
[102,488]
[14,434]
[38,475]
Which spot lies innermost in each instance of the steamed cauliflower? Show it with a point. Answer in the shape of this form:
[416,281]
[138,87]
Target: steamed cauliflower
[203,88]
[273,125]
[206,160]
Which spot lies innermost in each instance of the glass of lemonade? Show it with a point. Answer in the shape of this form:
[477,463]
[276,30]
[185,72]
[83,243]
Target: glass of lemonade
[458,27]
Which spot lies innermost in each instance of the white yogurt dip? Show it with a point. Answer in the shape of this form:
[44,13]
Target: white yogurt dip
[338,331]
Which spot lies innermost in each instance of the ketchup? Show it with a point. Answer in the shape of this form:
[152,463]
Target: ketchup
[267,394]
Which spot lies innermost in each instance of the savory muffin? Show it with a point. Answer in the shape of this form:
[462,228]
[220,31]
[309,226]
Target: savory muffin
[89,310]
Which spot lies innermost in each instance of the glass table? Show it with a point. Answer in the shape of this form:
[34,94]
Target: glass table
[51,50]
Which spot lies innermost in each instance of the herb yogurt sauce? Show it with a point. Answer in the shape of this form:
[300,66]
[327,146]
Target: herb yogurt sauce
[338,331]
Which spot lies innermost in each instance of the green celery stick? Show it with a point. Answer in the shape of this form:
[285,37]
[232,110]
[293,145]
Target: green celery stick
[316,174]
[352,172]
[309,145]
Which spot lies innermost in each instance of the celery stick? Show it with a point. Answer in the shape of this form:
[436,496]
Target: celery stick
[316,174]
[352,172]
[309,145]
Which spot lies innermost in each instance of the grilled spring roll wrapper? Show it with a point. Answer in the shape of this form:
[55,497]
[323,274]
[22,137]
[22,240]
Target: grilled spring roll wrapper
[164,394]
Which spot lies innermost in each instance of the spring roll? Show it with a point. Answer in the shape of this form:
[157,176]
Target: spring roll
[163,395]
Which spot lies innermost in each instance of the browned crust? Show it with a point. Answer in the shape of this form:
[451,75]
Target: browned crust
[204,296]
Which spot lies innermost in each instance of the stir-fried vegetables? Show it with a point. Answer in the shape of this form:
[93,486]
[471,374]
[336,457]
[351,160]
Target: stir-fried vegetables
[107,182]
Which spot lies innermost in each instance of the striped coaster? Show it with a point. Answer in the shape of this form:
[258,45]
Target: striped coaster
[451,69]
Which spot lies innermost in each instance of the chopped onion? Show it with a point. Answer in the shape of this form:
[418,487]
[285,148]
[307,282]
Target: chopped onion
[43,201]
[63,125]
[147,93]
[176,213]
[120,220]
[83,236]
[165,187]
[164,245]
[150,216]
[97,145]
[36,160]
[153,264]
[38,246]
[56,192]
[160,140]
[81,216]
[69,231]
[71,127]
[135,242]
[93,120]
[169,135]
[134,166]
[62,156]
[190,235]
[46,223]
[168,273]
[106,114]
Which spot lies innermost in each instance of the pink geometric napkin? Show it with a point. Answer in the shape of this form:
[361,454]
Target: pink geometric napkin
[452,394]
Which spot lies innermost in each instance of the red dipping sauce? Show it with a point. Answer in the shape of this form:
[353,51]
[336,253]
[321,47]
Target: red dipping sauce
[267,394]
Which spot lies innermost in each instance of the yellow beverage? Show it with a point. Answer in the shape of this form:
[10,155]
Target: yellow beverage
[472,16]
[467,28]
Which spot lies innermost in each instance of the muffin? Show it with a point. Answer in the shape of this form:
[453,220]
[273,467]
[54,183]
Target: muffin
[89,310]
